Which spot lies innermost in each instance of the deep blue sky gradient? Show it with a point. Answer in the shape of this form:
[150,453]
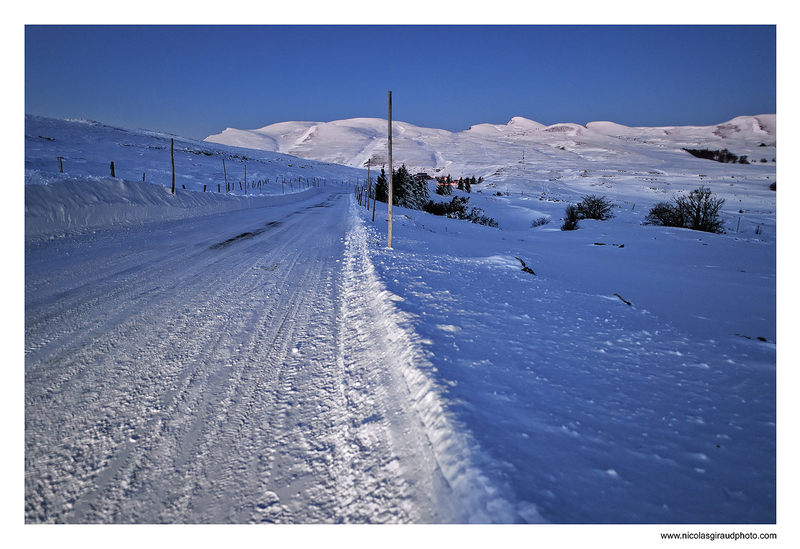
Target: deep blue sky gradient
[195,81]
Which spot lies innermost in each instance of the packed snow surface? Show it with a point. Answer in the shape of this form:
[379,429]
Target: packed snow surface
[260,355]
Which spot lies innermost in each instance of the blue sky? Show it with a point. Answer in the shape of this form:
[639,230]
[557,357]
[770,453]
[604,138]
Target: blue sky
[195,81]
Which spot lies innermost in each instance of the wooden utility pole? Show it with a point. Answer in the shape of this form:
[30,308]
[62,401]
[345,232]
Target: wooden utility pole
[225,172]
[172,157]
[390,170]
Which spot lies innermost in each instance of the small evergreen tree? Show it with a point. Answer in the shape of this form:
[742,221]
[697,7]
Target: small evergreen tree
[382,188]
[444,189]
[401,186]
[420,192]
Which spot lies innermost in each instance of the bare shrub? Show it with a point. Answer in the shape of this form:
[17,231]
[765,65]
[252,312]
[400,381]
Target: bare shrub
[539,221]
[595,207]
[571,217]
[698,211]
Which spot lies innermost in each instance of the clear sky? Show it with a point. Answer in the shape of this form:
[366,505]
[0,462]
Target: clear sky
[195,81]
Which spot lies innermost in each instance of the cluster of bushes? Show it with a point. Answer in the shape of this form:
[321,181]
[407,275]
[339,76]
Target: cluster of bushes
[410,192]
[698,211]
[453,209]
[457,209]
[724,156]
[591,207]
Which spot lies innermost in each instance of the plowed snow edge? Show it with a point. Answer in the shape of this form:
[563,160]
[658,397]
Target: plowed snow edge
[382,336]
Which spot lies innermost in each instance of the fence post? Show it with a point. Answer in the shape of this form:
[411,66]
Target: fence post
[369,184]
[112,170]
[172,157]
[224,171]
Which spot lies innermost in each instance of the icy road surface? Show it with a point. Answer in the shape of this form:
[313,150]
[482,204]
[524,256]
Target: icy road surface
[236,367]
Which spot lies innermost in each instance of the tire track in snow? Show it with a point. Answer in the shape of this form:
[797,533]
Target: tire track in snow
[178,370]
[172,353]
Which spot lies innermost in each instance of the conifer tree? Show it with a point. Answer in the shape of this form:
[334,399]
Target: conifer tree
[382,187]
[401,187]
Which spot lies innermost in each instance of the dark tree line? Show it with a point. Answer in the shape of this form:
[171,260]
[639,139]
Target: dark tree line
[407,191]
[724,156]
[445,184]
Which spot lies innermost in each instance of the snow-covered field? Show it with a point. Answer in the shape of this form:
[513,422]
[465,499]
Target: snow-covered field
[227,358]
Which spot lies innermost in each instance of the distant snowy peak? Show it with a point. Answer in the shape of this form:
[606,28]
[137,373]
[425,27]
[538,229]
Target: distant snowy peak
[519,121]
[516,126]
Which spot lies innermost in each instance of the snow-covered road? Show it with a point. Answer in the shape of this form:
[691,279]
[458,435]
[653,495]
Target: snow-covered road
[219,369]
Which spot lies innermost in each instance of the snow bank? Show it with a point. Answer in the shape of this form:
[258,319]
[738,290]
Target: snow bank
[68,205]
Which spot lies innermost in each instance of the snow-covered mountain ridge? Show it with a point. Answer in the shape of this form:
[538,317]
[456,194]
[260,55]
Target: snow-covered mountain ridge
[485,149]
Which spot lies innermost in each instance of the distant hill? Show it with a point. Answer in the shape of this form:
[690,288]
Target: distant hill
[489,149]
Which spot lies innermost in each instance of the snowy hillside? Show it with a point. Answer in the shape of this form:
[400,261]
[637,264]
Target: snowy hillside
[521,148]
[261,355]
[87,148]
